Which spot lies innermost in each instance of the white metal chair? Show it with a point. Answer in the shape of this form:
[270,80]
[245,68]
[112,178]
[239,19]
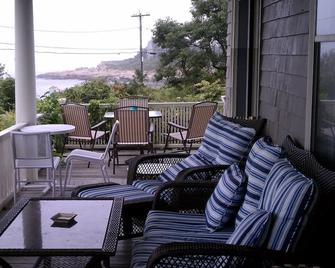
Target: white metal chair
[90,156]
[33,151]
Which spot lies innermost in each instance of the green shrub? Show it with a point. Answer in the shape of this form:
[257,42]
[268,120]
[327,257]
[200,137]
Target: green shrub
[7,120]
[50,108]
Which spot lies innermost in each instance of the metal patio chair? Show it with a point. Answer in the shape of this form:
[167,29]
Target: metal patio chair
[33,151]
[134,131]
[77,115]
[194,132]
[133,101]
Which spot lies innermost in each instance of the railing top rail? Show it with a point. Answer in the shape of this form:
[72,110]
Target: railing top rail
[4,133]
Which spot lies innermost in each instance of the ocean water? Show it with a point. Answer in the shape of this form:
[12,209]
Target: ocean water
[44,85]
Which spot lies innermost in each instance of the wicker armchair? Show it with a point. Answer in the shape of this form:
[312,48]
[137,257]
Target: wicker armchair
[312,250]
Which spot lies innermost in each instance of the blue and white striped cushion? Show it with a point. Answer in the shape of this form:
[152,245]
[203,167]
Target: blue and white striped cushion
[194,160]
[225,142]
[226,199]
[149,186]
[128,192]
[289,195]
[189,227]
[252,230]
[262,157]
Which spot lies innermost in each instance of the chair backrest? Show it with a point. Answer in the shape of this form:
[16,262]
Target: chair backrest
[111,137]
[200,115]
[32,150]
[133,125]
[77,115]
[133,101]
[319,231]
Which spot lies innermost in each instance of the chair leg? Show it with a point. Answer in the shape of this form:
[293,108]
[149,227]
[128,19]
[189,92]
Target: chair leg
[60,180]
[167,139]
[114,152]
[67,174]
[104,172]
[53,182]
[15,185]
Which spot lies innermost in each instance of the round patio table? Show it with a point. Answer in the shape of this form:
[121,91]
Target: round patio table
[54,129]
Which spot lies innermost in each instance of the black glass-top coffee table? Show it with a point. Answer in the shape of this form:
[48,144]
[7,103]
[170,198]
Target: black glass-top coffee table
[86,227]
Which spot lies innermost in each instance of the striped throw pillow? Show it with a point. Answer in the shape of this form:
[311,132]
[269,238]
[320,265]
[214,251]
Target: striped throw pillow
[252,230]
[289,195]
[225,142]
[263,155]
[227,197]
[194,160]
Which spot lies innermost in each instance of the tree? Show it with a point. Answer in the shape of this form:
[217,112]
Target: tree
[7,93]
[2,71]
[196,50]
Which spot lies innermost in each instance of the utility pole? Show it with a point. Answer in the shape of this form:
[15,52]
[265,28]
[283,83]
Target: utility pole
[140,15]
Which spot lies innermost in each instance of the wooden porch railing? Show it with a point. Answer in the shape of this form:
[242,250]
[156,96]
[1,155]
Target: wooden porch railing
[6,164]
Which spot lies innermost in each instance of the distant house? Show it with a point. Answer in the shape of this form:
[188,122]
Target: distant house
[281,66]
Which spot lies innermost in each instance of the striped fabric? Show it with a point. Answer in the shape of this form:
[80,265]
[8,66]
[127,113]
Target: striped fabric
[133,101]
[149,186]
[189,227]
[201,113]
[289,195]
[225,142]
[77,115]
[226,198]
[134,125]
[252,230]
[128,192]
[262,157]
[194,160]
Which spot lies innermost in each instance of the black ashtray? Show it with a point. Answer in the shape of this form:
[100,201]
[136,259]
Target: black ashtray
[65,220]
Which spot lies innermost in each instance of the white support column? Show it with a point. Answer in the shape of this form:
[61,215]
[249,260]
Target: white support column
[25,83]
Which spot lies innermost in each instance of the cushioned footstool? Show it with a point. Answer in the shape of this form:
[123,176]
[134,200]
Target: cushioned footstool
[136,205]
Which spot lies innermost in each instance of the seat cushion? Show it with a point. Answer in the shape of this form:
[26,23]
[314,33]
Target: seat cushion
[149,186]
[226,199]
[263,155]
[194,160]
[252,230]
[289,196]
[128,192]
[187,227]
[225,142]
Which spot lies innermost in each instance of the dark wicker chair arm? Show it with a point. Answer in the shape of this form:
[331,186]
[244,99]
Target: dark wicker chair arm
[202,173]
[177,126]
[149,167]
[220,255]
[186,197]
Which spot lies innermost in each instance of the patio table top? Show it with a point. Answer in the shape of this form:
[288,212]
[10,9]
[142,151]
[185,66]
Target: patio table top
[28,230]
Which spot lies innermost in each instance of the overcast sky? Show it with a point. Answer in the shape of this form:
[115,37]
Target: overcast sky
[105,25]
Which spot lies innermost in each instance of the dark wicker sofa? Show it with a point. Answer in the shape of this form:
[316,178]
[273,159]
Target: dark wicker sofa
[137,203]
[313,248]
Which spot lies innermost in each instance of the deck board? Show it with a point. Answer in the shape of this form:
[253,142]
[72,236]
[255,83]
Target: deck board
[81,175]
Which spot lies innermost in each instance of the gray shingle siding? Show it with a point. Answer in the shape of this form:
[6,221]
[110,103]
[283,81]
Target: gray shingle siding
[284,55]
[283,66]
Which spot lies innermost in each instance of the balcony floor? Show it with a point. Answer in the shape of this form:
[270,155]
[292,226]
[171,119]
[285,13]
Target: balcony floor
[81,175]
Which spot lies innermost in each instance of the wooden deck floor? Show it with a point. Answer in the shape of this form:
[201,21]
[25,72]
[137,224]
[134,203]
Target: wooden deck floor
[81,175]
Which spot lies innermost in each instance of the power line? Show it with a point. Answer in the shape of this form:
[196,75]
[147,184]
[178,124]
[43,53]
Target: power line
[77,31]
[77,53]
[76,48]
[86,53]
